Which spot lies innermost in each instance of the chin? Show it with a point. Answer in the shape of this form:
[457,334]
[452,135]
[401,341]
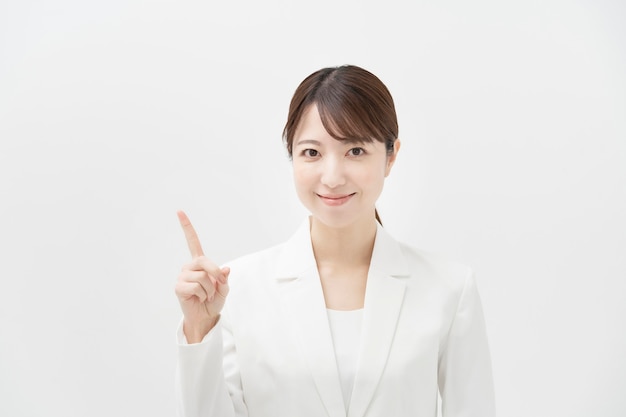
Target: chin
[337,220]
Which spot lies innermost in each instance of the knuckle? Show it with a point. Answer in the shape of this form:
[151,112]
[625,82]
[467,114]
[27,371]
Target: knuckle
[180,290]
[184,276]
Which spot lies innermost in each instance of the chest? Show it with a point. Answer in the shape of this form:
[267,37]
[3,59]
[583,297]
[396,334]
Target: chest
[343,288]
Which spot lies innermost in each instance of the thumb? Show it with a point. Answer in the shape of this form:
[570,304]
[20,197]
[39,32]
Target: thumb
[222,283]
[226,273]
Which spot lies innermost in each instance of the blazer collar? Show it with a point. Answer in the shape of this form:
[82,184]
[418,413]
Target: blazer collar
[302,297]
[297,255]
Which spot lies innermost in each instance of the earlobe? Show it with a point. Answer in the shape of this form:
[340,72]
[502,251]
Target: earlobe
[391,159]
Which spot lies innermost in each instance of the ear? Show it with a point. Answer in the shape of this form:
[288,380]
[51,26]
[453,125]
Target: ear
[391,159]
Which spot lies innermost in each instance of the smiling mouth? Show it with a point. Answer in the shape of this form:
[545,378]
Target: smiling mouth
[335,200]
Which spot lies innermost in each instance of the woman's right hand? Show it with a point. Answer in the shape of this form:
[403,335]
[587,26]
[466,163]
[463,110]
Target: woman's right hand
[201,287]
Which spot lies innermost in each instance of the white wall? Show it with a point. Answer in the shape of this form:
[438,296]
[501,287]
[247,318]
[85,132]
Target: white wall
[115,114]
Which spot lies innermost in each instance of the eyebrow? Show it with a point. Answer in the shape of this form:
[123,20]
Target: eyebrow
[349,141]
[359,141]
[309,141]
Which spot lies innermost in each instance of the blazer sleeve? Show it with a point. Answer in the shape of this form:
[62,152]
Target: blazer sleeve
[208,382]
[465,375]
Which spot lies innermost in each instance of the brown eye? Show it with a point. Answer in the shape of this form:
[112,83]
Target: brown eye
[311,153]
[356,151]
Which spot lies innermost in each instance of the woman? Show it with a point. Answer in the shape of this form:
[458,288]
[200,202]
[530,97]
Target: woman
[341,320]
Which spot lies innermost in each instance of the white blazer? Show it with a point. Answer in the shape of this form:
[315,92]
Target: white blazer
[271,354]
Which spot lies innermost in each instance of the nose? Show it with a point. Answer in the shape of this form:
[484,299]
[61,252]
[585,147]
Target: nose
[333,174]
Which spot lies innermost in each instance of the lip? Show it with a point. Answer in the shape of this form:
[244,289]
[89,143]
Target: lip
[335,199]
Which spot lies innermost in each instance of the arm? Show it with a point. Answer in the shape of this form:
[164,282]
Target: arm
[465,377]
[208,382]
[207,376]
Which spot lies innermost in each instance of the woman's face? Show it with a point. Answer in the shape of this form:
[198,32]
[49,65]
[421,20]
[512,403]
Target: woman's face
[338,181]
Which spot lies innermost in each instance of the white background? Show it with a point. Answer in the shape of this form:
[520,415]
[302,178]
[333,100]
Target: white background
[115,114]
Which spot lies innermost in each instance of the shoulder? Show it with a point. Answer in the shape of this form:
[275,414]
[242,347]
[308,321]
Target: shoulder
[286,259]
[437,279]
[261,260]
[436,268]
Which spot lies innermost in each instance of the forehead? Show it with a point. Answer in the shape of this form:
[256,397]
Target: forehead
[311,130]
[310,124]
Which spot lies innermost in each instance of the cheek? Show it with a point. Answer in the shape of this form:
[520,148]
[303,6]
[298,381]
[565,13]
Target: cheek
[372,180]
[376,173]
[302,175]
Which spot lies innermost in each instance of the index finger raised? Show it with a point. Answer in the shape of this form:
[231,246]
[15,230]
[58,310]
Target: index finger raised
[190,234]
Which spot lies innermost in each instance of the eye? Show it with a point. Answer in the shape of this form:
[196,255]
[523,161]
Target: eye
[310,153]
[356,152]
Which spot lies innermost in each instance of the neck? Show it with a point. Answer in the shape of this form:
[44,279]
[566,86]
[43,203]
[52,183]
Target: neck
[350,245]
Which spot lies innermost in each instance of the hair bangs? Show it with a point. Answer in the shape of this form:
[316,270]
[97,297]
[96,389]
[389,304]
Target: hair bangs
[347,120]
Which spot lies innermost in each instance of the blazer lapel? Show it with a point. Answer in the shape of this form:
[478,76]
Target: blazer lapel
[303,299]
[384,295]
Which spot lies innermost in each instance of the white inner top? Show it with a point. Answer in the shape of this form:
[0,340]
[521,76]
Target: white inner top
[345,328]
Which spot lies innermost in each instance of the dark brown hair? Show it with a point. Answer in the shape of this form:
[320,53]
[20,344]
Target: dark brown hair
[353,105]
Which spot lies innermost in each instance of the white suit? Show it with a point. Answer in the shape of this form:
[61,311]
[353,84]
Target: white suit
[271,354]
